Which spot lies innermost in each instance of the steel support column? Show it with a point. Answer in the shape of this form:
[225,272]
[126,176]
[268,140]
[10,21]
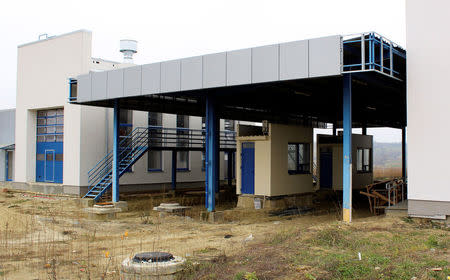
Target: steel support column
[174,169]
[211,153]
[404,152]
[115,163]
[364,130]
[347,144]
[334,128]
[230,168]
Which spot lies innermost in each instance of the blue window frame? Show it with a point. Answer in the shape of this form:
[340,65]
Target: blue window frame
[299,158]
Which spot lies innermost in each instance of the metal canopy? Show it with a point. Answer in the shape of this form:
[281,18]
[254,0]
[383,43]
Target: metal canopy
[296,82]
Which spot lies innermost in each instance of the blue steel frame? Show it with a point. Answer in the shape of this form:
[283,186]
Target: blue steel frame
[347,144]
[373,40]
[174,169]
[212,154]
[115,163]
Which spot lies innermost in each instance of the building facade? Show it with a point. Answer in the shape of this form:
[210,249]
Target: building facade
[7,127]
[58,143]
[428,107]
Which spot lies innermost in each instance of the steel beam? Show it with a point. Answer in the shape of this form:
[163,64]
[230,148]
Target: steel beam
[347,144]
[211,153]
[404,152]
[174,169]
[115,163]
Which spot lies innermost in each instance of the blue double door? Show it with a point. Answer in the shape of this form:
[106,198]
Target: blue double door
[248,168]
[49,163]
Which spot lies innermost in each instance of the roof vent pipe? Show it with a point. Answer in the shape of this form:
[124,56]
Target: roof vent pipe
[128,48]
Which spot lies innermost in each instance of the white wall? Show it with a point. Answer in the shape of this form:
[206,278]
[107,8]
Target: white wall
[43,69]
[428,41]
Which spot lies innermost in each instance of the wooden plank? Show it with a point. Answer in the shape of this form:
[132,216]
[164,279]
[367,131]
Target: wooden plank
[382,197]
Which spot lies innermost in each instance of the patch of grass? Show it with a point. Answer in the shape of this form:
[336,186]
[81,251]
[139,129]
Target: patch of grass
[433,242]
[332,237]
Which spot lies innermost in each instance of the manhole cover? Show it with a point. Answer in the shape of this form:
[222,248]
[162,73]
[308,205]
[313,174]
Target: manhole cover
[153,257]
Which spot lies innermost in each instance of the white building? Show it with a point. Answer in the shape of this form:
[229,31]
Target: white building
[427,25]
[58,143]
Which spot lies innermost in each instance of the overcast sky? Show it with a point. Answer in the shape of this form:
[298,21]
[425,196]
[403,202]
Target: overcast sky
[169,29]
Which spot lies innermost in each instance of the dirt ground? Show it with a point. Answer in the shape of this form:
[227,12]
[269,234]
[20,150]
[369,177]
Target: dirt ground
[50,237]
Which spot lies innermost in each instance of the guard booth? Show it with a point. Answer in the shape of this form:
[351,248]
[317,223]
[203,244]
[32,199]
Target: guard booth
[274,165]
[330,159]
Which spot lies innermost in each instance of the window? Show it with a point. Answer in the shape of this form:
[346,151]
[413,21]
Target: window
[50,126]
[154,140]
[363,160]
[182,141]
[299,158]
[73,93]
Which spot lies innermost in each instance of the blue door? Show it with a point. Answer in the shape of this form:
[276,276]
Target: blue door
[49,166]
[248,168]
[49,146]
[326,170]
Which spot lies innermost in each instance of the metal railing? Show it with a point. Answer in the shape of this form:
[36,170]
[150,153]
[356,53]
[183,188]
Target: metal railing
[155,137]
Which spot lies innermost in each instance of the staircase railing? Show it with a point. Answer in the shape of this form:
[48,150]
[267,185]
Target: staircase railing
[143,138]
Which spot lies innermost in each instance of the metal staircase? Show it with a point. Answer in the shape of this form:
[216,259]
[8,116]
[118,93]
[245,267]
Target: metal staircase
[133,146]
[131,149]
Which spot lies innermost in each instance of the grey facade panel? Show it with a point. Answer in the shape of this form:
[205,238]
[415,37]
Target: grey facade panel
[84,88]
[325,57]
[170,76]
[428,208]
[239,67]
[99,80]
[265,64]
[7,127]
[192,73]
[151,78]
[215,70]
[115,83]
[294,60]
[132,81]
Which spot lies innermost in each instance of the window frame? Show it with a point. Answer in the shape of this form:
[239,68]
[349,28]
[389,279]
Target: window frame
[370,165]
[300,166]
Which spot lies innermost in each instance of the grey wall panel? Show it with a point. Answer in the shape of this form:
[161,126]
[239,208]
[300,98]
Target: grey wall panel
[151,78]
[325,56]
[214,70]
[170,76]
[84,88]
[7,127]
[239,67]
[115,83]
[98,90]
[132,81]
[191,73]
[294,60]
[265,64]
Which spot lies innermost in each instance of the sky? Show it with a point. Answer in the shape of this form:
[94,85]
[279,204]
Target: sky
[170,29]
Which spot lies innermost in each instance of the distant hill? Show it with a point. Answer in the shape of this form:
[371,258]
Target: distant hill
[387,154]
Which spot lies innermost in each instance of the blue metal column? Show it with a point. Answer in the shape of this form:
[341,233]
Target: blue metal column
[211,154]
[174,169]
[347,144]
[115,163]
[404,152]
